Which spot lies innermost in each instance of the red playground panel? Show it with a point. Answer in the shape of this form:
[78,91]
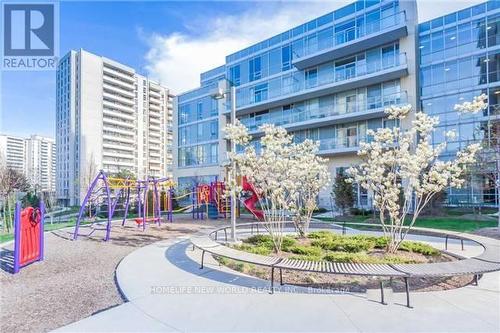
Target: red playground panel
[28,235]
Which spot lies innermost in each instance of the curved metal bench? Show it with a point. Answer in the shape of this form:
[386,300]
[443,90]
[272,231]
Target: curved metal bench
[488,261]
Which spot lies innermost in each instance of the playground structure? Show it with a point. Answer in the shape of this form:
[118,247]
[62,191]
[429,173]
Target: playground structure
[28,235]
[154,202]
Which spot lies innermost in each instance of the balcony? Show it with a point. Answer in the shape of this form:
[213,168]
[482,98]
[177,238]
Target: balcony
[118,106]
[338,113]
[119,115]
[113,97]
[352,40]
[292,89]
[115,81]
[118,90]
[116,73]
[340,145]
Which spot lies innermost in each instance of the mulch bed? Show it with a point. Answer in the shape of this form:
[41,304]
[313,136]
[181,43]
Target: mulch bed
[77,278]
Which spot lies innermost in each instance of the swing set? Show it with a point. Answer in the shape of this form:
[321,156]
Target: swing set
[153,196]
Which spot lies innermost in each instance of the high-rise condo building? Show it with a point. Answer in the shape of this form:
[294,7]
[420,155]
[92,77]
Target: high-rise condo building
[108,117]
[35,157]
[460,59]
[328,79]
[13,152]
[41,163]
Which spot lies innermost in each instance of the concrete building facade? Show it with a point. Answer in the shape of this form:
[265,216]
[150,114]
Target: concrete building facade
[108,117]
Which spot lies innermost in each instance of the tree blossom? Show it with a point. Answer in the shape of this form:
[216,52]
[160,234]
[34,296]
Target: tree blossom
[286,176]
[479,103]
[402,170]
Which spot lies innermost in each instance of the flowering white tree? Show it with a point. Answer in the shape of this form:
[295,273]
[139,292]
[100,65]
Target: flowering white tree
[286,177]
[402,170]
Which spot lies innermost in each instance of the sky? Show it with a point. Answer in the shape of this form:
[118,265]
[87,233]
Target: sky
[171,42]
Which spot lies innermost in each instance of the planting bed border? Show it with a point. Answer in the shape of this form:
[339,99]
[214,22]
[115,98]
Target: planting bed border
[487,261]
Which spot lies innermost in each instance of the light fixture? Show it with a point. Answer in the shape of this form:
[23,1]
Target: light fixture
[497,92]
[421,47]
[489,27]
[429,104]
[446,69]
[453,37]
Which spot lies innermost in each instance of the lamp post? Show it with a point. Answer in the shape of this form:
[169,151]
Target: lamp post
[220,94]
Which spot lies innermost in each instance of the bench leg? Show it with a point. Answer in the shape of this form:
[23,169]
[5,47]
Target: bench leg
[193,247]
[202,259]
[462,242]
[382,300]
[476,280]
[272,280]
[281,277]
[407,287]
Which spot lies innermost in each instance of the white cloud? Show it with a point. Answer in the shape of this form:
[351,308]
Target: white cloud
[178,59]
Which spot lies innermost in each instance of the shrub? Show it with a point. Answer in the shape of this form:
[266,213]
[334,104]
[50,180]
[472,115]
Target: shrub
[418,247]
[320,234]
[287,242]
[344,244]
[363,258]
[259,238]
[305,250]
[260,249]
[307,257]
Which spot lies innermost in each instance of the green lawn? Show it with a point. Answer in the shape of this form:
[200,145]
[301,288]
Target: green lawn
[48,227]
[452,223]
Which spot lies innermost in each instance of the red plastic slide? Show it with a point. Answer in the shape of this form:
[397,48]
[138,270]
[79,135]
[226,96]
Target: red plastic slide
[250,202]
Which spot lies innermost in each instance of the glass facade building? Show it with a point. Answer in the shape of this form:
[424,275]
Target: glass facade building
[460,59]
[331,78]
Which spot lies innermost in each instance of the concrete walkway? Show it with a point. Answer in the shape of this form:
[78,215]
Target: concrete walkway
[168,292]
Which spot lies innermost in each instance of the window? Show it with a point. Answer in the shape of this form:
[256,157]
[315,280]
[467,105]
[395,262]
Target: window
[234,75]
[199,110]
[254,69]
[260,92]
[286,57]
[311,76]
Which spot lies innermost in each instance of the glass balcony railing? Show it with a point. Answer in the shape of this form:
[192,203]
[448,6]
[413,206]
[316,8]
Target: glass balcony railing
[315,44]
[318,114]
[340,143]
[290,84]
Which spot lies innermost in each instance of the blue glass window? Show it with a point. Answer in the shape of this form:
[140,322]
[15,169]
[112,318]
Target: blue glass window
[479,9]
[451,18]
[464,14]
[311,76]
[260,92]
[436,23]
[424,26]
[344,11]
[286,57]
[325,19]
[234,74]
[254,69]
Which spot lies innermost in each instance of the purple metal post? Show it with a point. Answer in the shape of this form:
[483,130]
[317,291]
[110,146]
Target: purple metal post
[108,192]
[127,203]
[146,189]
[139,208]
[42,228]
[17,237]
[171,204]
[192,200]
[84,202]
[156,207]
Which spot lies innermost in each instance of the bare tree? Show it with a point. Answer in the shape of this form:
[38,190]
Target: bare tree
[88,176]
[11,181]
